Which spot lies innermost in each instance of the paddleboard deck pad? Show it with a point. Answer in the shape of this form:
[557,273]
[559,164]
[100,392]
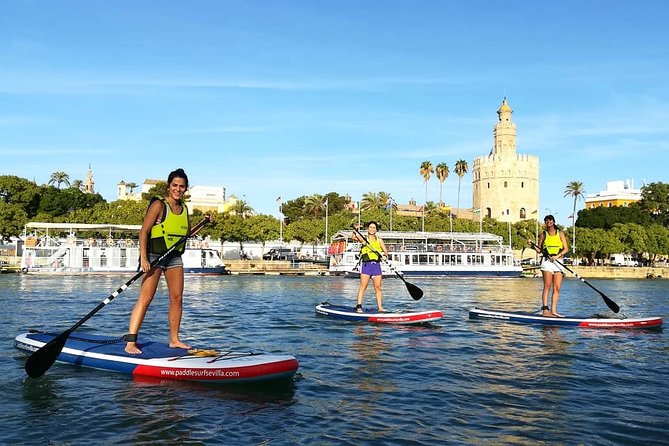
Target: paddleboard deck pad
[567,321]
[160,361]
[389,317]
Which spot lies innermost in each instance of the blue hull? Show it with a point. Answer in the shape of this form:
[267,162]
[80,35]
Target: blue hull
[568,321]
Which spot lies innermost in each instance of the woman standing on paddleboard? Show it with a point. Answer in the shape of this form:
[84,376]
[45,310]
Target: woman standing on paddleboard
[165,223]
[553,245]
[373,251]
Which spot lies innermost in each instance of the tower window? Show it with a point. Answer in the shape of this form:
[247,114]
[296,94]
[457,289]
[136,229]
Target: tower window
[505,184]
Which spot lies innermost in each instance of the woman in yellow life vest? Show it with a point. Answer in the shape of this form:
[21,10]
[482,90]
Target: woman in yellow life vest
[371,254]
[553,245]
[165,223]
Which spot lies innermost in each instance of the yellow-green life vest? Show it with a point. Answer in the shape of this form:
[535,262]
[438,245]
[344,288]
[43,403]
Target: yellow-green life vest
[169,231]
[367,252]
[553,243]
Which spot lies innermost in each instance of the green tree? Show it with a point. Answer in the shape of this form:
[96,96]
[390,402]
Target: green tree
[314,206]
[374,201]
[575,190]
[19,191]
[655,202]
[59,178]
[461,168]
[242,209]
[605,217]
[157,190]
[426,170]
[657,241]
[293,210]
[131,187]
[306,230]
[13,219]
[441,172]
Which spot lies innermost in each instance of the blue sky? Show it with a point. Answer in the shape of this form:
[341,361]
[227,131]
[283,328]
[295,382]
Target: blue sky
[291,98]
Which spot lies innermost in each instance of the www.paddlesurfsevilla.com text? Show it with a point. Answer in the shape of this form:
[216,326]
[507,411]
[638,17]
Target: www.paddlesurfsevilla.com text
[201,373]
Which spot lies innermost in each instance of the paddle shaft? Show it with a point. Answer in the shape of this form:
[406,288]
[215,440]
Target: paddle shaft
[611,304]
[415,292]
[42,359]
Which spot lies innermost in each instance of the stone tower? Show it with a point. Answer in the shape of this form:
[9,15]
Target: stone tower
[89,184]
[505,184]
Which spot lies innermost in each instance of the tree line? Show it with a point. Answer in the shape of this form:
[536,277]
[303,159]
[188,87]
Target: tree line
[642,227]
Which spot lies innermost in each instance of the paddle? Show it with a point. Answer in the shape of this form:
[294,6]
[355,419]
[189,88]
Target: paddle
[41,360]
[611,304]
[414,291]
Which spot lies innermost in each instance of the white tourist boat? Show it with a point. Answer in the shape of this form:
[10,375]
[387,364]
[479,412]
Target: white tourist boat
[117,252]
[430,254]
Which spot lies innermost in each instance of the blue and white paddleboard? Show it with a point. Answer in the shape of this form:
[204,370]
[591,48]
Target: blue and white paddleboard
[389,317]
[567,321]
[158,360]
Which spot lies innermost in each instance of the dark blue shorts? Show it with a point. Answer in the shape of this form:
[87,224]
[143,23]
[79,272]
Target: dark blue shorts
[371,268]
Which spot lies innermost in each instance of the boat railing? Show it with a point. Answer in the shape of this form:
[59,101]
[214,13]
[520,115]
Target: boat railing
[446,248]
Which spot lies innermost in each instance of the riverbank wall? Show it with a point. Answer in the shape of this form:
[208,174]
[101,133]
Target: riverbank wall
[609,272]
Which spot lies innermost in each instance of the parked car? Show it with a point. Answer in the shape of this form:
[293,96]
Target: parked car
[280,254]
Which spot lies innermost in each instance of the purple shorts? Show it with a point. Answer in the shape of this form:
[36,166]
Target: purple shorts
[371,268]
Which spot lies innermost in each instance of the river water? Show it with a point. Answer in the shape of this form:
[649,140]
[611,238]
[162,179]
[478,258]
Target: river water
[455,382]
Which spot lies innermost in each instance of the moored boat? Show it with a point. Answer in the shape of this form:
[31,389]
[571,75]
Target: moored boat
[117,252]
[430,254]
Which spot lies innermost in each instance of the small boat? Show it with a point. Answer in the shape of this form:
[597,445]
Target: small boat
[429,254]
[596,321]
[399,317]
[158,360]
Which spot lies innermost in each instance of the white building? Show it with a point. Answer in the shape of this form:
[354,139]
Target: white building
[617,193]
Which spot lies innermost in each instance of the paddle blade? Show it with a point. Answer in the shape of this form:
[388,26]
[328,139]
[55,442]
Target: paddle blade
[40,361]
[415,292]
[611,304]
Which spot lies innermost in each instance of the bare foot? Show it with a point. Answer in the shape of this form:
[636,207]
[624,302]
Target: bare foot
[556,314]
[132,349]
[358,308]
[178,344]
[546,313]
[382,310]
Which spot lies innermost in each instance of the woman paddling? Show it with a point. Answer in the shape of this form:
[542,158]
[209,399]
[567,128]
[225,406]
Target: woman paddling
[371,254]
[165,223]
[553,245]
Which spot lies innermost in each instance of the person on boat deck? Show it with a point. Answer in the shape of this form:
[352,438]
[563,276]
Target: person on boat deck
[373,251]
[165,223]
[553,245]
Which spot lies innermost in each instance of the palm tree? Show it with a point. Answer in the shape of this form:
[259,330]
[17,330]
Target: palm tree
[77,184]
[426,171]
[442,172]
[461,168]
[131,186]
[574,189]
[314,205]
[242,208]
[371,201]
[59,178]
